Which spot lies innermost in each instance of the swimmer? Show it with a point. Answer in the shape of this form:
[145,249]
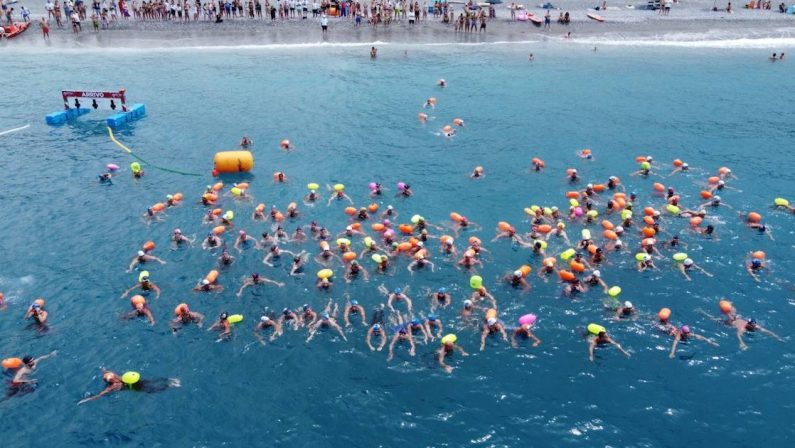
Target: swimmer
[402,333]
[396,296]
[115,383]
[537,164]
[547,269]
[225,259]
[37,312]
[467,309]
[524,332]
[279,177]
[140,258]
[571,175]
[517,280]
[206,286]
[390,213]
[419,324]
[327,319]
[245,142]
[280,235]
[433,322]
[373,52]
[324,283]
[491,326]
[682,168]
[299,236]
[275,253]
[689,264]
[595,279]
[289,315]
[353,307]
[150,216]
[184,316]
[105,178]
[2,301]
[585,154]
[754,267]
[715,201]
[420,262]
[223,325]
[573,288]
[145,284]
[140,309]
[601,339]
[353,271]
[299,261]
[477,173]
[675,243]
[441,299]
[22,382]
[264,323]
[212,241]
[743,326]
[338,195]
[531,58]
[645,262]
[177,238]
[243,240]
[255,280]
[626,311]
[708,231]
[762,228]
[481,295]
[404,190]
[441,83]
[469,261]
[311,197]
[448,347]
[682,334]
[376,329]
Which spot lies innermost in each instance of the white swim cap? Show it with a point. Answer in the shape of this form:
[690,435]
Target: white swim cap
[205,282]
[349,228]
[596,273]
[140,253]
[628,304]
[491,321]
[619,243]
[517,273]
[619,229]
[589,186]
[688,262]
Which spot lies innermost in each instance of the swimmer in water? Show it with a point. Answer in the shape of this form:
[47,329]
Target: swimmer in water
[115,384]
[762,228]
[432,323]
[477,173]
[289,315]
[243,240]
[481,295]
[150,216]
[441,299]
[338,195]
[327,319]
[37,312]
[225,259]
[420,262]
[742,326]
[396,296]
[223,325]
[467,309]
[595,279]
[22,382]
[140,309]
[715,202]
[645,263]
[145,284]
[402,333]
[602,339]
[448,347]
[206,286]
[683,334]
[140,258]
[353,271]
[377,329]
[212,241]
[688,265]
[373,52]
[524,332]
[275,253]
[404,190]
[625,311]
[517,280]
[492,326]
[266,322]
[683,168]
[105,178]
[245,142]
[255,280]
[299,261]
[184,316]
[177,238]
[754,268]
[353,307]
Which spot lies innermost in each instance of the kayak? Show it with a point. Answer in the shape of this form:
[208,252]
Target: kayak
[15,29]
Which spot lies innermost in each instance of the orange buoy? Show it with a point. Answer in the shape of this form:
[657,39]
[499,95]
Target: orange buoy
[217,230]
[218,186]
[356,226]
[610,234]
[149,245]
[284,144]
[350,211]
[525,270]
[423,117]
[474,241]
[677,163]
[758,255]
[754,217]
[178,197]
[577,266]
[377,226]
[566,275]
[544,228]
[455,217]
[640,159]
[695,221]
[648,220]
[550,261]
[504,226]
[713,180]
[12,363]
[706,195]
[648,232]
[404,246]
[349,256]
[658,187]
[137,300]
[725,306]
[573,194]
[159,207]
[372,208]
[607,225]
[599,188]
[406,229]
[458,122]
[212,276]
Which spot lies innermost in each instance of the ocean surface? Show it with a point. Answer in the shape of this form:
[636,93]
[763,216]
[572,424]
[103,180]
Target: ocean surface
[354,120]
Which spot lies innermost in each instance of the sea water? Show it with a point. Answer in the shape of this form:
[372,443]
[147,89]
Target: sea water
[353,120]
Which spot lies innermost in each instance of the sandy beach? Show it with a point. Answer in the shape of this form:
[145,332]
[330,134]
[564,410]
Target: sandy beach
[691,21]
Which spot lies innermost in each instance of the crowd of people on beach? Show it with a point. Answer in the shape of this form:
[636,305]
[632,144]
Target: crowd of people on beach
[614,224]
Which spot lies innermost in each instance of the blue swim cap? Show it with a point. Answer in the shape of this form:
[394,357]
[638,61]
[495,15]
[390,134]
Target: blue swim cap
[415,321]
[756,262]
[354,302]
[398,290]
[325,316]
[442,290]
[307,307]
[376,327]
[432,317]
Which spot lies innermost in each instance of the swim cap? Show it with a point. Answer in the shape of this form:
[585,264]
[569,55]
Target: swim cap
[205,282]
[264,318]
[398,290]
[389,207]
[306,307]
[491,321]
[627,304]
[442,290]
[685,165]
[224,315]
[685,329]
[619,229]
[177,231]
[716,198]
[752,321]
[431,317]
[756,262]
[467,302]
[324,316]
[589,186]
[619,243]
[107,377]
[596,273]
[376,327]
[517,273]
[688,262]
[415,321]
[720,182]
[140,253]
[349,228]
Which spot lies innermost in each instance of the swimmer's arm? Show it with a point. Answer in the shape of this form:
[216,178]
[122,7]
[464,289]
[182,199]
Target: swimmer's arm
[682,270]
[389,302]
[604,285]
[514,344]
[133,264]
[368,339]
[740,332]
[673,347]
[408,304]
[273,282]
[591,346]
[413,349]
[383,341]
[460,350]
[433,266]
[258,335]
[440,360]
[157,290]
[267,258]
[150,316]
[410,267]
[346,316]
[392,347]
[619,347]
[128,290]
[49,355]
[157,259]
[705,339]
[770,333]
[536,341]
[703,271]
[751,273]
[483,335]
[366,275]
[504,334]
[106,391]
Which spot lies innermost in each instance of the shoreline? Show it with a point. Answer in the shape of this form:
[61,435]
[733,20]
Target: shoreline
[690,25]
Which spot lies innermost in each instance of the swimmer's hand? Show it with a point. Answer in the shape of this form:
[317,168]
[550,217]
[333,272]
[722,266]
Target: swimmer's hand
[448,369]
[174,382]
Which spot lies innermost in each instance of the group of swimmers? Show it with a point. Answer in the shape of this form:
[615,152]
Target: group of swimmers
[395,322]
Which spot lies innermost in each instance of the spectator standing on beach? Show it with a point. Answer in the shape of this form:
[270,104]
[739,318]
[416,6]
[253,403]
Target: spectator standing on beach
[547,20]
[324,23]
[513,11]
[45,28]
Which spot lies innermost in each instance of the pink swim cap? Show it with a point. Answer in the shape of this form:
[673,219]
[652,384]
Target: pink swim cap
[401,186]
[373,186]
[387,223]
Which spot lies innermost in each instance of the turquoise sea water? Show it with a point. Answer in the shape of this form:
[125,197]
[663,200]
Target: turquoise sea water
[354,120]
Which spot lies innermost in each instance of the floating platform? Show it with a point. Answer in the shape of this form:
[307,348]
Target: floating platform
[136,112]
[58,118]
